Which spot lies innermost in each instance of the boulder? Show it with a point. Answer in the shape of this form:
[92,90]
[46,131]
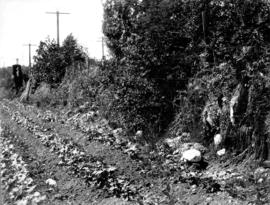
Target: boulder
[191,145]
[191,155]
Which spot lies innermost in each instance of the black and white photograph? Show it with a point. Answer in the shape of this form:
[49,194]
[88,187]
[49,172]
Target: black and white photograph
[134,102]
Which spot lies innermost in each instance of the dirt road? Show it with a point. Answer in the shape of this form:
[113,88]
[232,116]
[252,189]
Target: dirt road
[73,158]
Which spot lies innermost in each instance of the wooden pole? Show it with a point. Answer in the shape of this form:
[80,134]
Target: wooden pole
[57,24]
[29,51]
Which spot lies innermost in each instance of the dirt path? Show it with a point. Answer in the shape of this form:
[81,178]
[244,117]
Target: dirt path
[73,161]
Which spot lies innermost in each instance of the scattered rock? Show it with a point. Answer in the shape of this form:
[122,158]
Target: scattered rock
[260,180]
[191,155]
[51,182]
[221,152]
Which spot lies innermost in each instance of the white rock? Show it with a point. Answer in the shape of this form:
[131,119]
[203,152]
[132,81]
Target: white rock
[194,186]
[192,155]
[221,152]
[217,140]
[260,180]
[51,182]
[190,145]
[139,133]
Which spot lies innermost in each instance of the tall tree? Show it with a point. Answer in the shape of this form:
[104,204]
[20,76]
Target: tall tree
[52,60]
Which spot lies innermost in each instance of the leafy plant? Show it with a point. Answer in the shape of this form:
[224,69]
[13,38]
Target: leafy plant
[52,60]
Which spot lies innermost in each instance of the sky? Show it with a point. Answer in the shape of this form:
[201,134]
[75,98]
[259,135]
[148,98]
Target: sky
[25,21]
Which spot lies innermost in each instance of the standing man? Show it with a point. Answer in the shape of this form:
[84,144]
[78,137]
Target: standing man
[17,77]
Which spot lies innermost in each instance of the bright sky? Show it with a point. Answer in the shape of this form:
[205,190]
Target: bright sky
[26,21]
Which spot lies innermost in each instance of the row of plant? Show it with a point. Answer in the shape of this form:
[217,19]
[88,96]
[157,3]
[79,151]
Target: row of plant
[156,165]
[93,170]
[18,186]
[163,163]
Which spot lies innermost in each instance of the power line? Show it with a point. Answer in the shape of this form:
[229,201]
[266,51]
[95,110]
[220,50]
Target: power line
[57,23]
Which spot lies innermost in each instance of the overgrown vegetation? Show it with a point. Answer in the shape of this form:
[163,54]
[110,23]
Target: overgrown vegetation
[171,60]
[52,60]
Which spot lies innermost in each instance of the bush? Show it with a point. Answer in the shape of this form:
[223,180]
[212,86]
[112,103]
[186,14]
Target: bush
[52,60]
[160,48]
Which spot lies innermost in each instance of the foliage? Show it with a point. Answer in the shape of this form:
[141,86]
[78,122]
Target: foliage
[177,55]
[135,102]
[52,60]
[148,43]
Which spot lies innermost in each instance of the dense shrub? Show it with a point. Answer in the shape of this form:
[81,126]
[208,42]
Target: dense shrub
[52,60]
[153,59]
[173,57]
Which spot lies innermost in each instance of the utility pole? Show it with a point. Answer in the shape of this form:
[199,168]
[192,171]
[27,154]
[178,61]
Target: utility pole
[103,56]
[57,23]
[29,47]
[102,47]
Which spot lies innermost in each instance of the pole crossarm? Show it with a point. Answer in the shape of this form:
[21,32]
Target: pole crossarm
[56,12]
